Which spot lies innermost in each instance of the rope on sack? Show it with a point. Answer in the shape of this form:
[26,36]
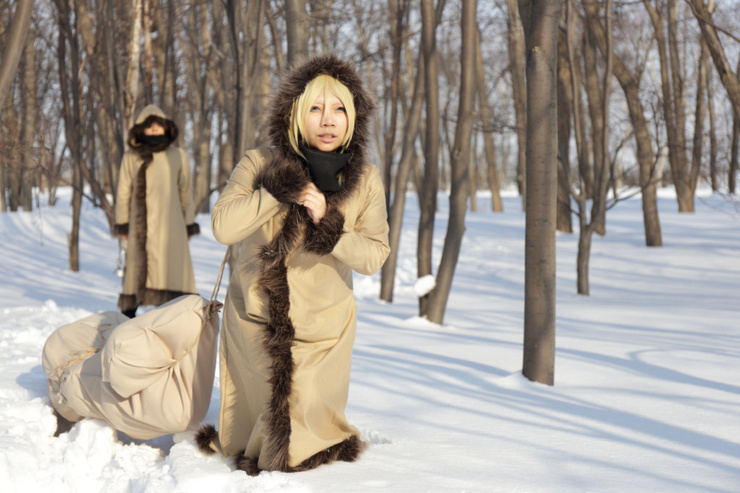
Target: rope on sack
[212,307]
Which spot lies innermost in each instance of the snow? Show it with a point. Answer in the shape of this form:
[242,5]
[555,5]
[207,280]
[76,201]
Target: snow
[646,393]
[424,285]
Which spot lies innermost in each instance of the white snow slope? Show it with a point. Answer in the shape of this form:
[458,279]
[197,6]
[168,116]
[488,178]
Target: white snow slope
[646,395]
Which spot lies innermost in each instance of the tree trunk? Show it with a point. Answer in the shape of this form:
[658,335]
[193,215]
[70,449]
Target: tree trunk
[489,145]
[699,115]
[131,92]
[395,76]
[72,124]
[565,103]
[29,124]
[540,22]
[388,271]
[593,99]
[630,86]
[672,89]
[459,167]
[516,61]
[297,26]
[713,174]
[729,79]
[734,151]
[14,45]
[428,204]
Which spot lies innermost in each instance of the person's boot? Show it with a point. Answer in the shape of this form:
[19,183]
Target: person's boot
[129,313]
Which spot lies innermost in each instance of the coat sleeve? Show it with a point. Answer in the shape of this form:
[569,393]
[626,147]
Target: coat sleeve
[241,210]
[123,194]
[365,247]
[186,195]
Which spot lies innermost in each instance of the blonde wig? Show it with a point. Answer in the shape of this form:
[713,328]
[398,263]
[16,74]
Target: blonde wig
[321,84]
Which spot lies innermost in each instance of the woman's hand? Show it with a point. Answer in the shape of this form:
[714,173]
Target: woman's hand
[314,202]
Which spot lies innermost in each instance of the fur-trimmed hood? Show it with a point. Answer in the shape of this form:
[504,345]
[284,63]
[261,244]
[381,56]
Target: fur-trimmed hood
[148,115]
[286,175]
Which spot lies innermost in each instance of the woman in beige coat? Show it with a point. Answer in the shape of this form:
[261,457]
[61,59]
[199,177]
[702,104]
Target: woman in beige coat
[154,210]
[305,213]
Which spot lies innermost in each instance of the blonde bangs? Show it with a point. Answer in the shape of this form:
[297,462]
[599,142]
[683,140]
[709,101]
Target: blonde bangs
[321,84]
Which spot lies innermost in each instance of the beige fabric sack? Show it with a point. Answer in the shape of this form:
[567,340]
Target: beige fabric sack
[147,376]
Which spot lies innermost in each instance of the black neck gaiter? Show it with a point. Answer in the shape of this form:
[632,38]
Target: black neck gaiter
[324,167]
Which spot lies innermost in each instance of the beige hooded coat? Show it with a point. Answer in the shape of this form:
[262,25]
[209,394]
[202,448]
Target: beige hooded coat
[290,315]
[147,376]
[154,207]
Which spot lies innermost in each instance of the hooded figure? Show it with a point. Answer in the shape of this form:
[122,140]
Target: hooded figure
[289,318]
[154,209]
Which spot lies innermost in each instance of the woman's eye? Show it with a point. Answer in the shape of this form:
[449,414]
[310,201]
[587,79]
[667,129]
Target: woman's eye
[341,108]
[315,108]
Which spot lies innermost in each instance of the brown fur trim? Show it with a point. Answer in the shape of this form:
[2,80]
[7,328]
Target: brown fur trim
[204,437]
[158,297]
[127,302]
[347,451]
[63,424]
[140,216]
[120,229]
[284,176]
[323,237]
[193,229]
[247,464]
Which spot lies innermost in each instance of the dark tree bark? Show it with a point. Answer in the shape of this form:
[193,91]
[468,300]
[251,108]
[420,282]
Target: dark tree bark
[565,92]
[388,272]
[72,123]
[486,119]
[673,107]
[14,45]
[428,204]
[540,23]
[645,158]
[297,26]
[395,76]
[516,61]
[713,173]
[459,167]
[729,79]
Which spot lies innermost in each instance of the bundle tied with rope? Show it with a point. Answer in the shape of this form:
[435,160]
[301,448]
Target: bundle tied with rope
[148,376]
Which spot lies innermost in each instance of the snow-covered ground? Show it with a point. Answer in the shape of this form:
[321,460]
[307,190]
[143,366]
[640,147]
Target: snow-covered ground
[647,374]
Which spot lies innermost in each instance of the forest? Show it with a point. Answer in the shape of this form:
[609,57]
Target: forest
[576,104]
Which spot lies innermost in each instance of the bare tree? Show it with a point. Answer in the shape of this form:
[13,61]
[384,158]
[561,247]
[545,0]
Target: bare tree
[673,106]
[428,202]
[566,103]
[602,170]
[388,271]
[729,79]
[297,29]
[646,161]
[70,86]
[540,23]
[486,120]
[14,45]
[516,61]
[459,166]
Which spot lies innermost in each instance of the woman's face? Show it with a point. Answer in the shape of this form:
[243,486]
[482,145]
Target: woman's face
[154,129]
[326,124]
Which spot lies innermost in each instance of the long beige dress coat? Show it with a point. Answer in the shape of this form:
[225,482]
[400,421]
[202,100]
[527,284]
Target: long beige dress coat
[147,376]
[290,316]
[154,207]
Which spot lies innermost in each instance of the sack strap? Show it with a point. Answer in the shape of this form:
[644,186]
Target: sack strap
[214,305]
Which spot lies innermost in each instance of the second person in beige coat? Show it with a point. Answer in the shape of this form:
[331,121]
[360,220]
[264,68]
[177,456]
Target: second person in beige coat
[305,213]
[155,213]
